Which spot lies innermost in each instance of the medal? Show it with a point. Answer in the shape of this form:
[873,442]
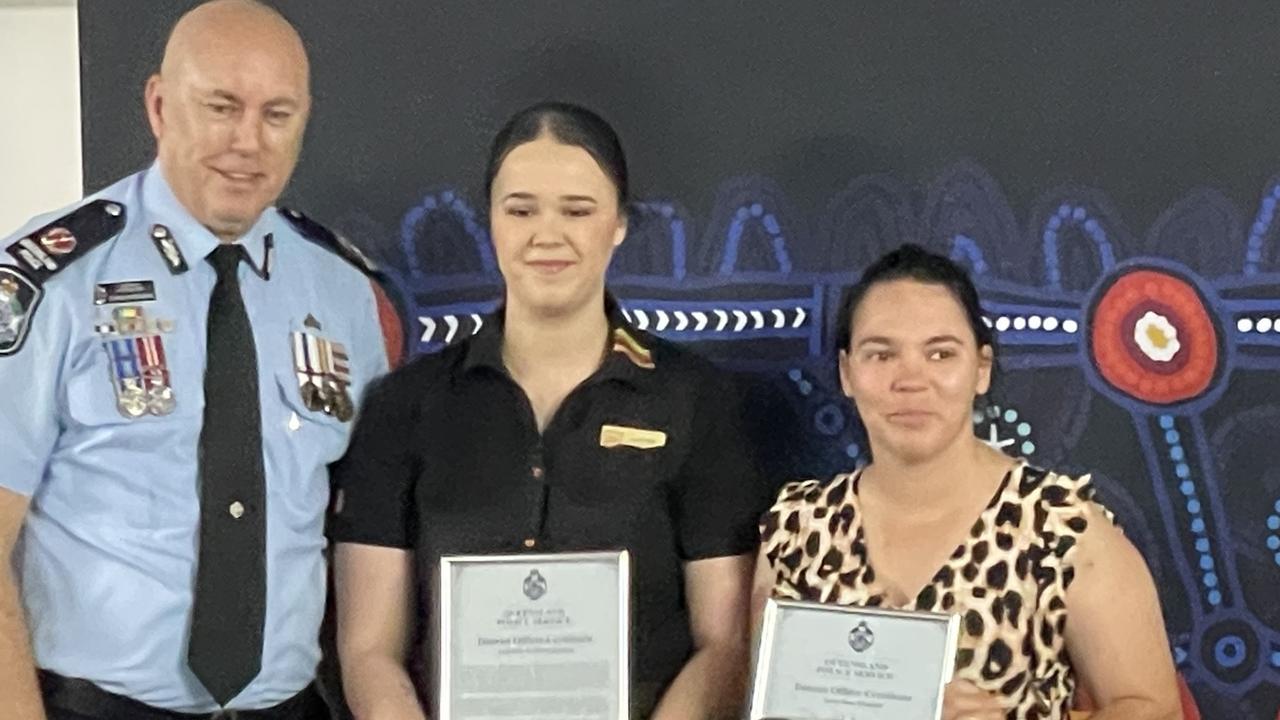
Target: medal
[323,370]
[139,369]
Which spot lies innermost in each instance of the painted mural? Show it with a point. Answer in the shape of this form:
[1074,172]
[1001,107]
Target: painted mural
[1146,358]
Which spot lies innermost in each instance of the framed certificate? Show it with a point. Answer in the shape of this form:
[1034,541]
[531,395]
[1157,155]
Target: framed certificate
[829,662]
[541,636]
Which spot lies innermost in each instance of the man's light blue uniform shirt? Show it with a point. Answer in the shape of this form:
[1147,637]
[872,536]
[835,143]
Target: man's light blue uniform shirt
[107,559]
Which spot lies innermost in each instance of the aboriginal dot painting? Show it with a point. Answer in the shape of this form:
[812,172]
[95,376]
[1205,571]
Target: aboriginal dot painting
[1148,359]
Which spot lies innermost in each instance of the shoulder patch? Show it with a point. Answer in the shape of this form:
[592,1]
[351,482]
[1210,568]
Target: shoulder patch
[333,242]
[19,297]
[53,247]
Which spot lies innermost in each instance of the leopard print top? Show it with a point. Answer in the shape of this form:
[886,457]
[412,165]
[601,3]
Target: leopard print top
[1008,580]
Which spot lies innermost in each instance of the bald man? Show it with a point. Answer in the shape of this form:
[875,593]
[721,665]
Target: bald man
[179,362]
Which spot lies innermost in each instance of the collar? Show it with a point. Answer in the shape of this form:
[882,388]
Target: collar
[182,241]
[629,357]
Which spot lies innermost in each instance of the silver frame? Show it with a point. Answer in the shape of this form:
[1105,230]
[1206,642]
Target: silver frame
[768,629]
[444,671]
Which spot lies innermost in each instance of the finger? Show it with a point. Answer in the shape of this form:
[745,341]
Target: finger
[977,712]
[968,697]
[971,703]
[964,688]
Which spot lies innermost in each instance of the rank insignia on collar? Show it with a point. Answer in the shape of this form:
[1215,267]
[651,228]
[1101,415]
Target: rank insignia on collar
[139,368]
[169,249]
[19,296]
[324,375]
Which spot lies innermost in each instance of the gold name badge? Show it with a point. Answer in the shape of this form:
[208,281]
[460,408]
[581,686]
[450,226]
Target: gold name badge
[612,436]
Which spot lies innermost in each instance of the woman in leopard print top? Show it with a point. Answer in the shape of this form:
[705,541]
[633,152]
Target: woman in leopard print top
[1049,591]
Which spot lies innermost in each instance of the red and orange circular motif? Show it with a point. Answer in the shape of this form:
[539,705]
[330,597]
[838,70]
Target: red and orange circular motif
[1153,338]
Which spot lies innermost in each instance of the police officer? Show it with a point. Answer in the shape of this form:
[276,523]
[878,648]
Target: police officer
[178,365]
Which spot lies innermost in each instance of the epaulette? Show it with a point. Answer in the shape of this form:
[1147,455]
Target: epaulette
[42,254]
[45,252]
[390,307]
[331,241]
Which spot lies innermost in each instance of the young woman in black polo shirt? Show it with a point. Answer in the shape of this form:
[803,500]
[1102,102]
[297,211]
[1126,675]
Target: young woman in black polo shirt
[517,440]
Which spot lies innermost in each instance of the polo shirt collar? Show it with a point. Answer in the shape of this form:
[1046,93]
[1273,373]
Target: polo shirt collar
[629,356]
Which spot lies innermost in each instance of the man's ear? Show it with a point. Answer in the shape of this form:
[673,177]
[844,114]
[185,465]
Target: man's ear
[153,98]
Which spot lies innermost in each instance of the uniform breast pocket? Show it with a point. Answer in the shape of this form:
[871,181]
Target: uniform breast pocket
[300,440]
[127,452]
[315,420]
[618,464]
[129,381]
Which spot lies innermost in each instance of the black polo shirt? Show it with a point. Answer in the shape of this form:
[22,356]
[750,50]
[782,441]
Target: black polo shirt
[446,459]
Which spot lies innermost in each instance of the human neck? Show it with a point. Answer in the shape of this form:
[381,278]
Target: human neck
[571,341]
[937,483]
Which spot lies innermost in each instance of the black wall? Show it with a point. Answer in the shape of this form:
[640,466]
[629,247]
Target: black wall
[1148,129]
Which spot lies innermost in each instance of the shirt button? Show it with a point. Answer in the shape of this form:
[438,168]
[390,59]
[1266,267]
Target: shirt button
[236,510]
[537,472]
[530,542]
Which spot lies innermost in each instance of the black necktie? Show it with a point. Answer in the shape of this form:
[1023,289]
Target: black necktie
[225,651]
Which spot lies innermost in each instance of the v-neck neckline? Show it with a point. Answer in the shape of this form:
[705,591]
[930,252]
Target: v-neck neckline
[877,595]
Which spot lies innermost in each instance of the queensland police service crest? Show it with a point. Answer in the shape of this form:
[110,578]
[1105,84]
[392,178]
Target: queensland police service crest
[18,299]
[861,637]
[535,586]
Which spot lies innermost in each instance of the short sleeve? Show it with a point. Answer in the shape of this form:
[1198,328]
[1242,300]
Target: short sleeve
[721,489]
[373,482]
[389,324]
[377,336]
[780,526]
[1069,506]
[33,345]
